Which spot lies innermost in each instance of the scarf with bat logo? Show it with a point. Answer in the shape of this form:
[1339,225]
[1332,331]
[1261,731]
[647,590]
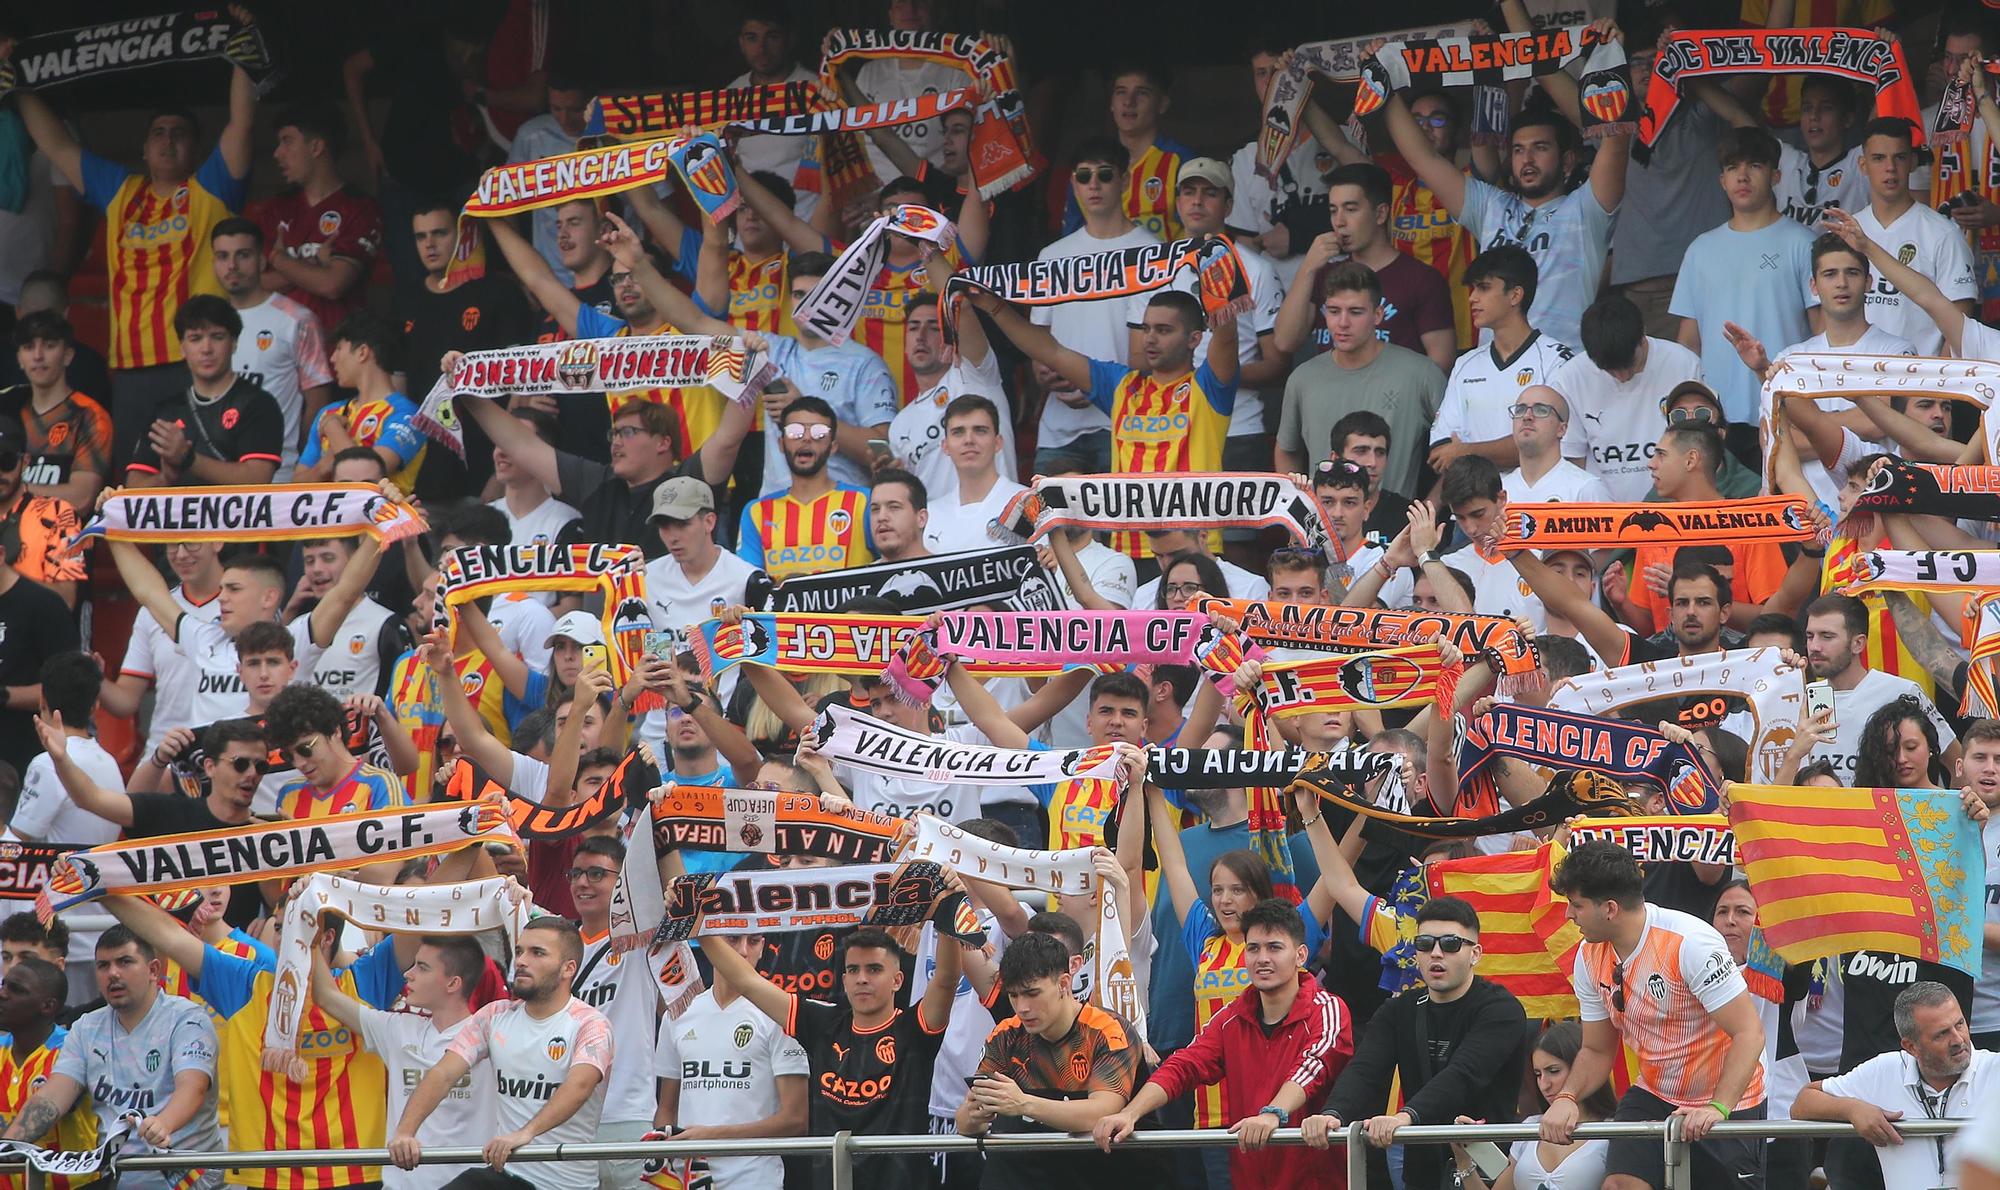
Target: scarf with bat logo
[864,742]
[627,786]
[1002,146]
[1627,752]
[890,895]
[1494,59]
[1559,525]
[1857,55]
[1510,652]
[1387,678]
[709,818]
[1971,572]
[1007,577]
[815,643]
[617,573]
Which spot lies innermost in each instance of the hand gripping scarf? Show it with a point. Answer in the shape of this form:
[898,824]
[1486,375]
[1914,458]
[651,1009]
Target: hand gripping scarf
[1004,576]
[1203,768]
[262,851]
[1821,375]
[1074,637]
[616,572]
[1510,652]
[801,643]
[1664,838]
[93,51]
[590,366]
[1495,59]
[1564,525]
[1956,492]
[627,786]
[1569,794]
[637,904]
[708,818]
[1106,978]
[1226,499]
[1629,753]
[1771,689]
[1339,60]
[1388,678]
[472,907]
[1857,55]
[1971,571]
[1117,273]
[834,305]
[593,173]
[75,1168]
[867,743]
[1001,145]
[256,512]
[887,895]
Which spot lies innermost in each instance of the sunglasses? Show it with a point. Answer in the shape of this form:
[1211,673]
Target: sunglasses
[1434,120]
[241,764]
[1540,410]
[1103,175]
[1333,467]
[799,432]
[447,743]
[1698,413]
[593,875]
[302,750]
[1448,943]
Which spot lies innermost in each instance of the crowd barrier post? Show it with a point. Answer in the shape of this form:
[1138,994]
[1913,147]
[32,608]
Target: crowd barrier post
[1357,1155]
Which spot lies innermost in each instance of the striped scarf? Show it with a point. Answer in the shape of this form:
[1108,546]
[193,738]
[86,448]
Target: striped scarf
[1228,500]
[709,818]
[253,512]
[1389,678]
[1508,650]
[814,643]
[1562,525]
[886,895]
[617,573]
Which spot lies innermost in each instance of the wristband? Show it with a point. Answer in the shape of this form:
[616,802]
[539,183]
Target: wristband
[1719,1109]
[1569,1095]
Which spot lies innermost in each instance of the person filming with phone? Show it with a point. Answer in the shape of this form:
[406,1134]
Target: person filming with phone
[1837,649]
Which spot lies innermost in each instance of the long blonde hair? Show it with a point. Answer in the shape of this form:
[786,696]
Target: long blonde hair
[764,727]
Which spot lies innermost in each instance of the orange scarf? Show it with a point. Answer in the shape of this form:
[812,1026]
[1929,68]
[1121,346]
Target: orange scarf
[1617,526]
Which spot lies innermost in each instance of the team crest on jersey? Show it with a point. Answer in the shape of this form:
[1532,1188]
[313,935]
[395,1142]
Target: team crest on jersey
[58,433]
[265,339]
[1906,253]
[1182,392]
[839,521]
[827,381]
[468,318]
[230,418]
[152,1061]
[472,682]
[885,1051]
[558,1046]
[1154,187]
[329,222]
[357,643]
[1524,376]
[1833,179]
[1079,1066]
[743,1035]
[368,424]
[181,198]
[822,945]
[612,959]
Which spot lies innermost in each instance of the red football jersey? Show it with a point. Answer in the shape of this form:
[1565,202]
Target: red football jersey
[344,224]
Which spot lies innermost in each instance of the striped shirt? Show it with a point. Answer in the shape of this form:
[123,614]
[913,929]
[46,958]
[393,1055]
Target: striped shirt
[785,536]
[157,251]
[75,1131]
[1421,228]
[1162,426]
[365,787]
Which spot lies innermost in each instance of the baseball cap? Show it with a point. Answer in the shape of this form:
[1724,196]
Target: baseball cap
[1209,170]
[680,498]
[13,435]
[581,627]
[1697,388]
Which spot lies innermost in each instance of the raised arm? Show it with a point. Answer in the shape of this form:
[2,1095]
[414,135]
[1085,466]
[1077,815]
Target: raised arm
[534,273]
[1560,596]
[51,136]
[1438,172]
[711,271]
[1038,344]
[1173,860]
[798,235]
[1949,315]
[1337,886]
[341,598]
[475,742]
[770,999]
[112,805]
[512,435]
[673,305]
[935,1007]
[663,227]
[354,73]
[167,937]
[235,143]
[142,580]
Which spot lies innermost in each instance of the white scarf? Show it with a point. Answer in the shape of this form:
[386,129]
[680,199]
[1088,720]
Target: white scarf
[834,305]
[867,743]
[638,902]
[472,907]
[1106,978]
[1760,677]
[1820,375]
[252,512]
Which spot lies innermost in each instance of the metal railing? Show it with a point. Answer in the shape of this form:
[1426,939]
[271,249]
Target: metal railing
[843,1147]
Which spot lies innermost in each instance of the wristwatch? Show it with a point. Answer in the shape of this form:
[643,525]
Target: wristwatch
[1434,555]
[693,703]
[1272,1109]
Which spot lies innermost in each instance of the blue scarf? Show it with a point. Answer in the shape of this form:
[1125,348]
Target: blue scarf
[1626,752]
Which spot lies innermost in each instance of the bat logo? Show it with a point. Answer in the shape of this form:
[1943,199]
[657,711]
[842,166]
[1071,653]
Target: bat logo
[1373,92]
[908,587]
[1645,519]
[1795,517]
[1869,567]
[1379,681]
[631,615]
[751,638]
[1526,525]
[705,169]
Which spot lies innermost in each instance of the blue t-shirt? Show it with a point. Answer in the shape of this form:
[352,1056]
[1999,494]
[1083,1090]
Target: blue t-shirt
[228,982]
[1568,236]
[709,861]
[1170,1005]
[102,177]
[1762,281]
[593,323]
[848,376]
[396,432]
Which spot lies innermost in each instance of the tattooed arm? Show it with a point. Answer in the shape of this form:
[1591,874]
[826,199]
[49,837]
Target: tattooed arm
[40,1113]
[1919,634]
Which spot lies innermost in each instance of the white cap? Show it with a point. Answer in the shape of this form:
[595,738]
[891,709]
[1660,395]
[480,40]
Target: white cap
[581,627]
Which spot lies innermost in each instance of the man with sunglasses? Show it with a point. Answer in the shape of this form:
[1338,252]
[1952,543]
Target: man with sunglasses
[816,524]
[42,525]
[1455,1041]
[309,726]
[1541,420]
[1659,984]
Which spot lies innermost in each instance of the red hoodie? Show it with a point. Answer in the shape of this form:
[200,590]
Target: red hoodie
[1309,1048]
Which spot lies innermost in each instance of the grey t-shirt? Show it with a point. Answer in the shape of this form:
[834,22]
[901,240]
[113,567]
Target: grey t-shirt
[1568,236]
[1669,200]
[134,1072]
[1401,385]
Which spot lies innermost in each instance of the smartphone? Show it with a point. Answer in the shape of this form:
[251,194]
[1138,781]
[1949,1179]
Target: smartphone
[1819,697]
[660,643]
[878,449]
[1488,1157]
[596,657]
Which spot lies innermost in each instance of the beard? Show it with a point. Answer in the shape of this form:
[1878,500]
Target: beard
[1212,803]
[810,469]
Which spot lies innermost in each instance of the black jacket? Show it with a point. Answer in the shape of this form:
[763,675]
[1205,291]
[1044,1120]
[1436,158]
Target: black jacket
[1486,1034]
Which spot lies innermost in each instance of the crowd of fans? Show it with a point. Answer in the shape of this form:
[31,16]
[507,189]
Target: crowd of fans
[1438,323]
